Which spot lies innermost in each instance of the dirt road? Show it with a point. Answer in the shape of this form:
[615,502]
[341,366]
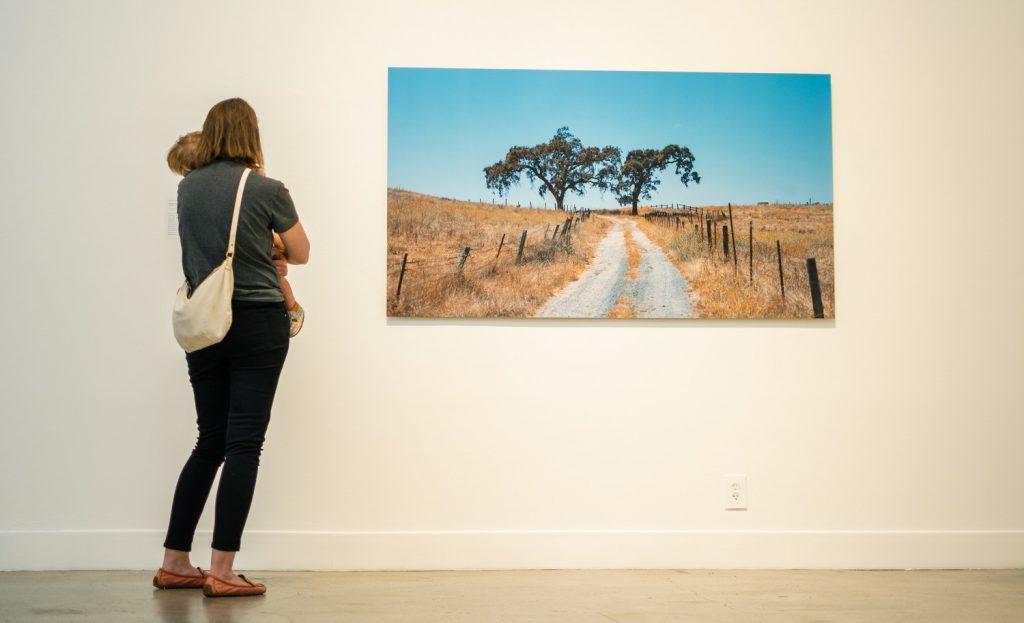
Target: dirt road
[658,291]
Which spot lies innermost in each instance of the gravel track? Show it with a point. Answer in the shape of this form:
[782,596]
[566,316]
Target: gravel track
[658,291]
[594,293]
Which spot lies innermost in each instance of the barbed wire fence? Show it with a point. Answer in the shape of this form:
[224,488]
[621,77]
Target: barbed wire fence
[715,231]
[713,228]
[471,261]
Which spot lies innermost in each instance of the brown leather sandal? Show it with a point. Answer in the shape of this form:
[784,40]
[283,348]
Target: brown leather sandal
[216,587]
[165,579]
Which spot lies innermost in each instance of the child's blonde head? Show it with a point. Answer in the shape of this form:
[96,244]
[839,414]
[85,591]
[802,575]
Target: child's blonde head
[183,157]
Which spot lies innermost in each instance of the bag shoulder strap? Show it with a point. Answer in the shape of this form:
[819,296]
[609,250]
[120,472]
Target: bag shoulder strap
[234,216]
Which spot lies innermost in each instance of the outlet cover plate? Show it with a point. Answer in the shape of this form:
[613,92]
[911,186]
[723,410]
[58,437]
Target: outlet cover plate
[734,492]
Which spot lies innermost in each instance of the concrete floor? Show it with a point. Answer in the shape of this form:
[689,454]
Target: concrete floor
[533,596]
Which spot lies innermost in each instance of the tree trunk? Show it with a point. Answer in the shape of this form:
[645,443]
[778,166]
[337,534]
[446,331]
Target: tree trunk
[634,208]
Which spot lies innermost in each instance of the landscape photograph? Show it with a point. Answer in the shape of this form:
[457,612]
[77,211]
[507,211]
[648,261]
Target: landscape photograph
[609,194]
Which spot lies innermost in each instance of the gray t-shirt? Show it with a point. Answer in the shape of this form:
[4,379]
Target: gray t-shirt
[206,198]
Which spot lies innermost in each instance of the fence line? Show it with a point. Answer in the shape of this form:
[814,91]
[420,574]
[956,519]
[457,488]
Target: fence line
[700,222]
[470,260]
[705,232]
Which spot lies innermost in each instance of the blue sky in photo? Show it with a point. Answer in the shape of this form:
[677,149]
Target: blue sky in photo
[755,137]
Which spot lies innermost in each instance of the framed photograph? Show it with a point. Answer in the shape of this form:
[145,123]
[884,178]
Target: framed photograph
[609,194]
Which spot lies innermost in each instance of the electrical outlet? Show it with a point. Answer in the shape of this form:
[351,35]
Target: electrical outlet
[734,491]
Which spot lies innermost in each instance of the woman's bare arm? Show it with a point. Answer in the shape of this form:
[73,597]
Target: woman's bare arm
[296,244]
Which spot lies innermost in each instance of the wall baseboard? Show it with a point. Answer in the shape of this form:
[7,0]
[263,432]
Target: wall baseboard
[533,549]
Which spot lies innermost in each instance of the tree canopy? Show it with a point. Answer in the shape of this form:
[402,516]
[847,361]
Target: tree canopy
[563,165]
[637,177]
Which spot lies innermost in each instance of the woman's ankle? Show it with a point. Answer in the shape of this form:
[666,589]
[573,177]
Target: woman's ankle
[222,563]
[176,561]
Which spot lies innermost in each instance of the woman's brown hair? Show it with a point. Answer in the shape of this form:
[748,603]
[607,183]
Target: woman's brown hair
[231,132]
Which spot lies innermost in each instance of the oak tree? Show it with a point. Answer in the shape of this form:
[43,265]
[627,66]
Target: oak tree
[561,166]
[638,175]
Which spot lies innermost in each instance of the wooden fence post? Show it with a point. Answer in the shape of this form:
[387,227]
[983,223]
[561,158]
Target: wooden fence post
[401,277]
[500,245]
[782,279]
[710,241]
[750,243]
[725,242]
[554,234]
[812,278]
[732,230]
[462,260]
[522,243]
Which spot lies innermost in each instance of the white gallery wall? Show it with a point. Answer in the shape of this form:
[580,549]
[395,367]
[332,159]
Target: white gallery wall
[891,437]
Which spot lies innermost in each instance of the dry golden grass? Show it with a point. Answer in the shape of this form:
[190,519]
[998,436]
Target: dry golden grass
[434,232]
[722,289]
[624,307]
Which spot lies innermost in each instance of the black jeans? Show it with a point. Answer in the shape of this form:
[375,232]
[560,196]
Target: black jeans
[234,383]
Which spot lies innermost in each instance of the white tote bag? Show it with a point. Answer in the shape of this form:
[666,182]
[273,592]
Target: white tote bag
[204,318]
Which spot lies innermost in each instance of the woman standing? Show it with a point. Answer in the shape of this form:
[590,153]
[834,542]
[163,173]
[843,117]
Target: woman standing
[234,380]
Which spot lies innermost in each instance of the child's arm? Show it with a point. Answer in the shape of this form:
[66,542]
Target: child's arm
[278,245]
